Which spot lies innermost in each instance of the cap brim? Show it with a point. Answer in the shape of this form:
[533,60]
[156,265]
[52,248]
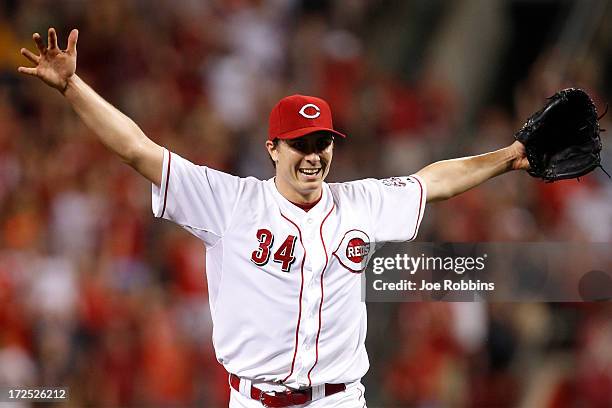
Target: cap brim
[294,134]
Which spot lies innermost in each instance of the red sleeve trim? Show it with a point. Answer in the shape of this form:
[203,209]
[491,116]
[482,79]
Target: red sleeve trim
[167,183]
[416,224]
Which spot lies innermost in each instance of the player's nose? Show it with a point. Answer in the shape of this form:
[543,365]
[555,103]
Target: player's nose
[313,157]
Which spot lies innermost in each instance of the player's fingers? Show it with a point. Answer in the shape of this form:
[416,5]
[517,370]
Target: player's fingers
[52,39]
[30,55]
[72,41]
[39,43]
[27,71]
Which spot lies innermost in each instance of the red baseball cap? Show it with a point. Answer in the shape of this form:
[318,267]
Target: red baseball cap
[298,115]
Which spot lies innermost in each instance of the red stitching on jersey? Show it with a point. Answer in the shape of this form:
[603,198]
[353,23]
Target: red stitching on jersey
[297,329]
[167,182]
[416,226]
[321,304]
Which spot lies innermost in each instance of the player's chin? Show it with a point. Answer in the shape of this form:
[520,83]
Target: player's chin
[308,184]
[311,184]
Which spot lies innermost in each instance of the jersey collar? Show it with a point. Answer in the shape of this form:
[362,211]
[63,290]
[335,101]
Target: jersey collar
[293,211]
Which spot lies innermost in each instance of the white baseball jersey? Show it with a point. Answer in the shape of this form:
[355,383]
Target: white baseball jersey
[285,284]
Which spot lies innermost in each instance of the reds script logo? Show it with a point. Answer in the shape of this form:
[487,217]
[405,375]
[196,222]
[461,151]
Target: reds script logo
[354,251]
[314,107]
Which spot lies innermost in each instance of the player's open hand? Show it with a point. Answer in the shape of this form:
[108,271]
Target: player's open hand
[54,66]
[520,161]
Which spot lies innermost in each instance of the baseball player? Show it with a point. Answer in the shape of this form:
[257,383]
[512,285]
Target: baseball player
[284,255]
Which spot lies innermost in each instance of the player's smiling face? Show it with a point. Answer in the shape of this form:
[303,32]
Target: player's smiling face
[301,165]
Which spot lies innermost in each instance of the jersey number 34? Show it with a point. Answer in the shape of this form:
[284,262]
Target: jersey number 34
[283,255]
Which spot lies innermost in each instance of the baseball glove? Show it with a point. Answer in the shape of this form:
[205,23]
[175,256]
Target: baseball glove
[562,139]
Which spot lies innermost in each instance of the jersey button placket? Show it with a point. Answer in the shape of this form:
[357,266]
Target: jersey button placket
[313,265]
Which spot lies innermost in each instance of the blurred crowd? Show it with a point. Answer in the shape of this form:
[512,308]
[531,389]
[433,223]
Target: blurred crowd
[97,295]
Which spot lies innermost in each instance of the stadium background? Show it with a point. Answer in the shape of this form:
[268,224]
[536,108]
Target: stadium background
[97,295]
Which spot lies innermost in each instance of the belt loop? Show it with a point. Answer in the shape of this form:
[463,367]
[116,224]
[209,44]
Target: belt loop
[245,387]
[318,391]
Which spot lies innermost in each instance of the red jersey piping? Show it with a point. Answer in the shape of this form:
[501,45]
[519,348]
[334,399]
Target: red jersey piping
[297,329]
[322,294]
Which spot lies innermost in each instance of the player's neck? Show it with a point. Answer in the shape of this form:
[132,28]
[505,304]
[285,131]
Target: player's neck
[296,197]
[309,206]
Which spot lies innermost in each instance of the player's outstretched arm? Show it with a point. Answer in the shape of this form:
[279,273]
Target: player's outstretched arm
[57,68]
[448,178]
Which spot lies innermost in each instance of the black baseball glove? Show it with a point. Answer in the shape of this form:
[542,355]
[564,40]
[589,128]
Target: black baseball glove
[562,139]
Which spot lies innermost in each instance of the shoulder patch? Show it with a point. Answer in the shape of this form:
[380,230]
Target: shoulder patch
[396,181]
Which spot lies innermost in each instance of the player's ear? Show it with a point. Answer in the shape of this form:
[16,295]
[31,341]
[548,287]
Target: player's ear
[272,147]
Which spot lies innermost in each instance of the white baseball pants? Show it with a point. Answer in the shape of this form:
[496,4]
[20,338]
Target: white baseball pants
[352,397]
